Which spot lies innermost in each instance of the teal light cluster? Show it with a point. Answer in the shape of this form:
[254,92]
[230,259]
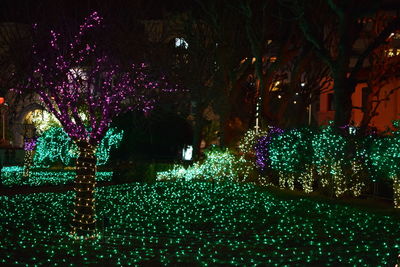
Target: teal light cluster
[54,145]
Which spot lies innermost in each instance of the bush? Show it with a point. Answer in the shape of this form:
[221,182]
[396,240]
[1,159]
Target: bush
[291,155]
[337,159]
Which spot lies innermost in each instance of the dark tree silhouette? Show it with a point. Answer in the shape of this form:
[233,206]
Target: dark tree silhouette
[332,28]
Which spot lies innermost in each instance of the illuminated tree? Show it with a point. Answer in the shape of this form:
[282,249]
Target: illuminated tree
[29,148]
[75,74]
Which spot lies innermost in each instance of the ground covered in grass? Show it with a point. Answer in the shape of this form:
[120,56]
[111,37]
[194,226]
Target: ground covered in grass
[197,223]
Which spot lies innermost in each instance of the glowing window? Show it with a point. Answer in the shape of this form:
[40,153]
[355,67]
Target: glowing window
[180,42]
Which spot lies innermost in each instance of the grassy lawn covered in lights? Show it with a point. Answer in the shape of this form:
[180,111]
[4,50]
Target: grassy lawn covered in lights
[201,223]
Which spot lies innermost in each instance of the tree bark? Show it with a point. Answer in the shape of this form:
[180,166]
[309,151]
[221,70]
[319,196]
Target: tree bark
[197,130]
[84,221]
[368,111]
[343,89]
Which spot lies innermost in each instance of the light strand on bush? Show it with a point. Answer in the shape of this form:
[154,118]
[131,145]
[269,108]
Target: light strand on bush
[307,179]
[357,183]
[54,145]
[262,147]
[338,179]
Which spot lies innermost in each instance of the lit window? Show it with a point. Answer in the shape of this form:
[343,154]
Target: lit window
[391,52]
[180,42]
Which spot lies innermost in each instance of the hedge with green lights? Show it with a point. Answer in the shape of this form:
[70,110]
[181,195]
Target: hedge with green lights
[13,176]
[334,158]
[290,154]
[54,145]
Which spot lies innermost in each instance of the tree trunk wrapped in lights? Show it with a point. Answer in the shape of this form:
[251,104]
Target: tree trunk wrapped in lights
[84,221]
[27,163]
[396,191]
[29,148]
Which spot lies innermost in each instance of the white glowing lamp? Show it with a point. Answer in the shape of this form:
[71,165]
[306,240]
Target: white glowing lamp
[187,153]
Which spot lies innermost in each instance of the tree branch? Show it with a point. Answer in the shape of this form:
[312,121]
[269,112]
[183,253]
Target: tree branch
[379,40]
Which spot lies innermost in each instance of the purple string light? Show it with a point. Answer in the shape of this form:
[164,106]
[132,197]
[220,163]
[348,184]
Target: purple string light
[30,144]
[262,147]
[72,74]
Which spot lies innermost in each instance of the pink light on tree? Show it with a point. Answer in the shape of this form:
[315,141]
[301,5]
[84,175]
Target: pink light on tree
[72,75]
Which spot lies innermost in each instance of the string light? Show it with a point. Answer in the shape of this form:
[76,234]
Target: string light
[29,147]
[84,219]
[13,176]
[181,222]
[54,145]
[345,163]
[384,156]
[290,153]
[219,165]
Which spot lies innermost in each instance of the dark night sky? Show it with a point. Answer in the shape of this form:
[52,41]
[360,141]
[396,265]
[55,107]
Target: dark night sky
[28,11]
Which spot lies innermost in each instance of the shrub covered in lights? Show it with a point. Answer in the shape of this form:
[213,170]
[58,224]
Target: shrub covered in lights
[248,142]
[52,146]
[384,156]
[220,165]
[330,158]
[291,155]
[55,146]
[385,153]
[262,147]
[292,150]
[253,154]
[341,161]
[329,148]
